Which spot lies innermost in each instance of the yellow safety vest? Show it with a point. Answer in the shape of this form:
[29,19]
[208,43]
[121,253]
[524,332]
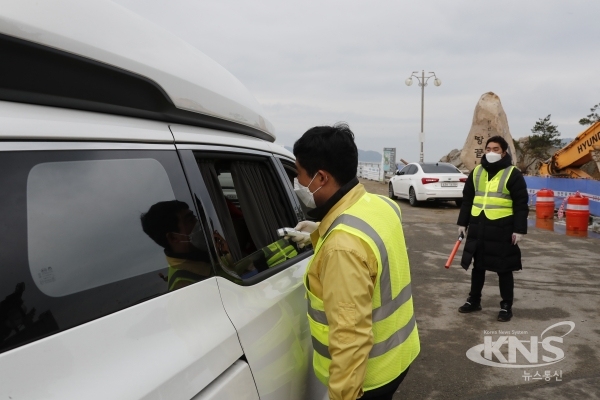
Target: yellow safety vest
[492,197]
[395,335]
[189,271]
[278,252]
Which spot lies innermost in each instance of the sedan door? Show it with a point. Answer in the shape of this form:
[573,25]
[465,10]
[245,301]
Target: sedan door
[401,182]
[407,180]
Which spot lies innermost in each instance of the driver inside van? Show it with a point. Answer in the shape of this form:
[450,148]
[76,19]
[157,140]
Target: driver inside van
[174,227]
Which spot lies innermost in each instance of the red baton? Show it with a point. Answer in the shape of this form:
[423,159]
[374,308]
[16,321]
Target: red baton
[454,250]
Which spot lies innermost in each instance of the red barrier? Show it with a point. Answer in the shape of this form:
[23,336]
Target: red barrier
[578,215]
[547,224]
[544,204]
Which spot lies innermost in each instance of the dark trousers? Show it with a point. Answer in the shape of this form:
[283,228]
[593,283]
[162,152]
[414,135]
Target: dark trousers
[507,285]
[386,392]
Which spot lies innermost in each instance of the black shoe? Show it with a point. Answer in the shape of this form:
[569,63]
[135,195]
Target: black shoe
[470,306]
[505,313]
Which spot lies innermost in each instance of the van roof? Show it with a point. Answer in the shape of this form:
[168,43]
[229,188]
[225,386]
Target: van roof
[96,55]
[20,123]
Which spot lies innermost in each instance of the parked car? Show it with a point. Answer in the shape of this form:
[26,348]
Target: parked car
[428,182]
[102,116]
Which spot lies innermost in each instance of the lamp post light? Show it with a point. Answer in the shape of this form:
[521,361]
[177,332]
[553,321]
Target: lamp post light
[422,82]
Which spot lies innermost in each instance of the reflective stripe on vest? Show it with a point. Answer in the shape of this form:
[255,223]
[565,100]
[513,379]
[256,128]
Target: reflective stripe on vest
[395,334]
[393,205]
[491,196]
[378,349]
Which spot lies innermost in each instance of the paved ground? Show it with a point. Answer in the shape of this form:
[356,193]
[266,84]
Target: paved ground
[559,282]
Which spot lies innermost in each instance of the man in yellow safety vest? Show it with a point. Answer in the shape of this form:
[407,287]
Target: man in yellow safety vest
[174,227]
[495,209]
[360,307]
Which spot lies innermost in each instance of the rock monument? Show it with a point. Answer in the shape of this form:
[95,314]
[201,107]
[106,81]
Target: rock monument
[489,120]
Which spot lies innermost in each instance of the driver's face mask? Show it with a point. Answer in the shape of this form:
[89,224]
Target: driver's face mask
[196,237]
[304,194]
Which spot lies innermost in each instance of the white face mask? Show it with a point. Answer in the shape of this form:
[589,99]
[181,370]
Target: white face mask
[196,238]
[304,193]
[492,157]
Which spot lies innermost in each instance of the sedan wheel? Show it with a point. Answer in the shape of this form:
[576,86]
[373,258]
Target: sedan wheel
[412,198]
[391,192]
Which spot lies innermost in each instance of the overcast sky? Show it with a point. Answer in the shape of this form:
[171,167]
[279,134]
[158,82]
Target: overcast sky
[319,62]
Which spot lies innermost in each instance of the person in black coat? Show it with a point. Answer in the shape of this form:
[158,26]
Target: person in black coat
[492,243]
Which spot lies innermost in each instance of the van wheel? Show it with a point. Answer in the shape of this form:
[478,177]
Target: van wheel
[391,192]
[412,198]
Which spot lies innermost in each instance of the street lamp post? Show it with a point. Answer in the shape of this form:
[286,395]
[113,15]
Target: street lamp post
[422,82]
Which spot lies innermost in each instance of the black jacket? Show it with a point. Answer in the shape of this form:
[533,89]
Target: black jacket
[489,242]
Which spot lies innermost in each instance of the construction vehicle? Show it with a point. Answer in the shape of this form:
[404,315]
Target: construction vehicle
[567,161]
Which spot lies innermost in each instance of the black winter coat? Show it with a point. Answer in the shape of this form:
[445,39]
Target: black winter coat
[489,242]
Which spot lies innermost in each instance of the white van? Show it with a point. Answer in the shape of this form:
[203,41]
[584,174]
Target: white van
[102,116]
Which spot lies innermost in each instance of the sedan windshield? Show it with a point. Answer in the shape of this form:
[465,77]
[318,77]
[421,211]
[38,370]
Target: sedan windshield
[440,169]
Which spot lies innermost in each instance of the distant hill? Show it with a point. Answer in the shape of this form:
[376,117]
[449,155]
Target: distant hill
[369,155]
[363,155]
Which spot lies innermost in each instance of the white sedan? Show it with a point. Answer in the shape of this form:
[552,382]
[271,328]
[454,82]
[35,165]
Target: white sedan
[428,182]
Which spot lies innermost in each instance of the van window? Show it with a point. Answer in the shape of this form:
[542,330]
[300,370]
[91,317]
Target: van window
[90,211]
[411,169]
[251,204]
[72,248]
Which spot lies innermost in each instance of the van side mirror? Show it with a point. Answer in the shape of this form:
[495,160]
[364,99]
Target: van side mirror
[399,173]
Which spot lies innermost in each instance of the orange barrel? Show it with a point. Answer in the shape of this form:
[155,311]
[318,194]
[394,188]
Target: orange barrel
[578,215]
[545,223]
[544,204]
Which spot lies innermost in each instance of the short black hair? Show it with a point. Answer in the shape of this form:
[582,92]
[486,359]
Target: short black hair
[500,140]
[161,219]
[330,148]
